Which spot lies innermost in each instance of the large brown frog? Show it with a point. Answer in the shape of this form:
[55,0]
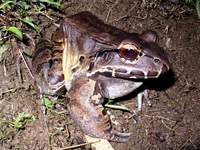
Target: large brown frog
[92,61]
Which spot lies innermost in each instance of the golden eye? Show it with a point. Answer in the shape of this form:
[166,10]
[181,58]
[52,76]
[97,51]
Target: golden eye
[129,51]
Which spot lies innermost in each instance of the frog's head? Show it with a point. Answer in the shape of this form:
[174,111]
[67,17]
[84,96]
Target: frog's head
[136,57]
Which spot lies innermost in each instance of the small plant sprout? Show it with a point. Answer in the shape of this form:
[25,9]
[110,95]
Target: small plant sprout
[11,127]
[52,134]
[60,128]
[48,103]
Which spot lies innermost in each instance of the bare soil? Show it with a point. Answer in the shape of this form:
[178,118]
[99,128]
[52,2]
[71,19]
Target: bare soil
[173,121]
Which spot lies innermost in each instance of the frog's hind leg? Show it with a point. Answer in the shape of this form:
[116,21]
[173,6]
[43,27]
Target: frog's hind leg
[85,104]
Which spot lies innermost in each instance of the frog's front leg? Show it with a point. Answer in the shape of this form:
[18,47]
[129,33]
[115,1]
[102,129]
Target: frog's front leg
[141,95]
[85,104]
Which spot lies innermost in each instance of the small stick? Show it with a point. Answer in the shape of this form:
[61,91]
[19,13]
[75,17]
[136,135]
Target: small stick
[79,145]
[115,4]
[189,139]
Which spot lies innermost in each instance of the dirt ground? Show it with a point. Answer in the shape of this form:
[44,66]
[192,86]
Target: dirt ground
[173,121]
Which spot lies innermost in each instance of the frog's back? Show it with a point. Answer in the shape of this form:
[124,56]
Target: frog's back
[89,25]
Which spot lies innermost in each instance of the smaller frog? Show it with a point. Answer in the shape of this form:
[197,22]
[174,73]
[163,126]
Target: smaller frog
[93,61]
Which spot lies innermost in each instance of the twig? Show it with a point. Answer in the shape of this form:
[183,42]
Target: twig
[30,38]
[166,125]
[79,145]
[116,20]
[115,4]
[48,17]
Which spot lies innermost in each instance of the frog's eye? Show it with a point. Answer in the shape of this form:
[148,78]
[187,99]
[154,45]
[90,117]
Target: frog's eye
[129,51]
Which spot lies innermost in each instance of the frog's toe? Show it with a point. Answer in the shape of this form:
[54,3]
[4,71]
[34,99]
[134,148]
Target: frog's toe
[117,134]
[122,134]
[114,136]
[119,140]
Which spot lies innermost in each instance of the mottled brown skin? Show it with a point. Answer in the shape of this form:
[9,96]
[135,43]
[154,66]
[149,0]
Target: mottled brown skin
[94,122]
[47,67]
[85,56]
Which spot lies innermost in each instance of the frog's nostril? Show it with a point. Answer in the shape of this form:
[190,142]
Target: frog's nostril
[156,60]
[164,69]
[107,57]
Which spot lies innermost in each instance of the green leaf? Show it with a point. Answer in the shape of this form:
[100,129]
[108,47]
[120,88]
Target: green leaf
[27,7]
[37,29]
[32,118]
[46,100]
[117,107]
[41,7]
[16,31]
[31,24]
[50,2]
[23,3]
[27,18]
[110,101]
[6,4]
[63,96]
[18,124]
[48,103]
[60,128]
[197,5]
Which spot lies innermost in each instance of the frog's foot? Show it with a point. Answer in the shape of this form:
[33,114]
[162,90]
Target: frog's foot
[85,105]
[140,97]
